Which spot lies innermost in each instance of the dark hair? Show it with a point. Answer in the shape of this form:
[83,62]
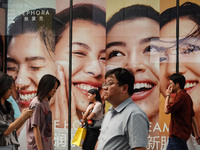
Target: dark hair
[178,78]
[123,77]
[46,84]
[88,12]
[98,96]
[131,13]
[5,84]
[43,25]
[189,10]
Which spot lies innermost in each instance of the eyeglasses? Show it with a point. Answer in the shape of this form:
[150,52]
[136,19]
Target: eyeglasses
[108,84]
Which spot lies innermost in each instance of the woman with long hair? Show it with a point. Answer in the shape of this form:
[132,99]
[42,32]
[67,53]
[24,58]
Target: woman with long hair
[39,127]
[8,125]
[93,112]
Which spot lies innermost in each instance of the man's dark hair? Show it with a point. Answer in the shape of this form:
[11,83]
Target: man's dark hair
[87,12]
[46,84]
[188,10]
[178,78]
[123,77]
[131,13]
[98,96]
[42,25]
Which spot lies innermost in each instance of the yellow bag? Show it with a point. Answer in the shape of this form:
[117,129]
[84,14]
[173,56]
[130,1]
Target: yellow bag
[79,137]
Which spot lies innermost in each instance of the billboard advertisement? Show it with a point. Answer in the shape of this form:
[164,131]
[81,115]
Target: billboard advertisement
[139,35]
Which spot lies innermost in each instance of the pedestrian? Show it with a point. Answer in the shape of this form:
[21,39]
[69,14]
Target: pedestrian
[182,114]
[39,126]
[8,124]
[125,126]
[94,112]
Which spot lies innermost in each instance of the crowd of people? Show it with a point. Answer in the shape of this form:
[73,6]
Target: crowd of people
[111,61]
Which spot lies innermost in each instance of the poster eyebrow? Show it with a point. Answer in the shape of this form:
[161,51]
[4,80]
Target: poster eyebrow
[34,58]
[81,44]
[118,43]
[145,40]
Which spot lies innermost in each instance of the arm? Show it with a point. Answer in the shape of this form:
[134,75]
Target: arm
[28,114]
[137,128]
[38,139]
[166,104]
[91,116]
[196,130]
[95,148]
[97,108]
[168,93]
[87,113]
[18,122]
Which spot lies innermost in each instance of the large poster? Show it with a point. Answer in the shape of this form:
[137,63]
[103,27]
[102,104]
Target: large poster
[189,13]
[88,60]
[139,35]
[30,50]
[2,34]
[132,34]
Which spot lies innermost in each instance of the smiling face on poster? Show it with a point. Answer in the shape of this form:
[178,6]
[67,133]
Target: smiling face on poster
[30,55]
[88,53]
[88,58]
[30,52]
[131,41]
[135,51]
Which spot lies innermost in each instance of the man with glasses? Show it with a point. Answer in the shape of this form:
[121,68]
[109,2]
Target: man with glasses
[125,125]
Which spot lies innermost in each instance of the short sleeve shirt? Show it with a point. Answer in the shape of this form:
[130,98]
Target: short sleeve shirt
[124,128]
[42,118]
[98,110]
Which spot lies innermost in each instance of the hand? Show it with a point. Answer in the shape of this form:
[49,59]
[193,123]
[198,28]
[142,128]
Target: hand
[169,90]
[27,113]
[82,122]
[61,101]
[197,138]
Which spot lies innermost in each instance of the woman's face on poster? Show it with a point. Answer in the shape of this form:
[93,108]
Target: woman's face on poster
[88,59]
[130,45]
[189,56]
[27,61]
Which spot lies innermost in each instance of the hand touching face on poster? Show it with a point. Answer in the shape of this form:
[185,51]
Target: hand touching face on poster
[88,58]
[129,45]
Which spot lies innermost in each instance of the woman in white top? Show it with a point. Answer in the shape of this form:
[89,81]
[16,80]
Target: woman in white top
[94,112]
